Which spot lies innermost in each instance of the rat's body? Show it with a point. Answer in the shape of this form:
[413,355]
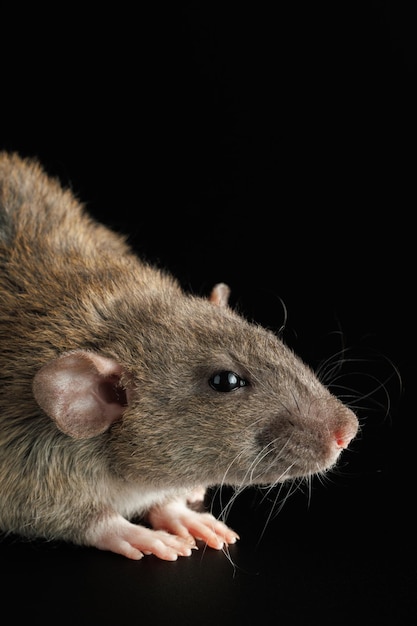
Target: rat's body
[117,397]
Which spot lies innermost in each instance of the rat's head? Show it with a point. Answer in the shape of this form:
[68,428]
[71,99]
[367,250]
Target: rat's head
[197,396]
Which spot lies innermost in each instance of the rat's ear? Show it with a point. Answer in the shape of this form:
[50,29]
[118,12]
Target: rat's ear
[81,392]
[220,294]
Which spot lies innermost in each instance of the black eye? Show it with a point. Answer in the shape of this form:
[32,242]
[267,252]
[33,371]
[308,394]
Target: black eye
[226,381]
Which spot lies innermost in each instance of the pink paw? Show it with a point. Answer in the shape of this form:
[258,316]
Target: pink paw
[134,541]
[176,518]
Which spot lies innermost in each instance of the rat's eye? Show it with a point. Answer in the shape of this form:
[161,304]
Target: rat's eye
[226,381]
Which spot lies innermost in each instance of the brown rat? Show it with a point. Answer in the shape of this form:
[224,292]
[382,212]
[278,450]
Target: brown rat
[124,396]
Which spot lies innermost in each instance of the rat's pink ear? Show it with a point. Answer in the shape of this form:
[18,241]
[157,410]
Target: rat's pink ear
[220,294]
[81,392]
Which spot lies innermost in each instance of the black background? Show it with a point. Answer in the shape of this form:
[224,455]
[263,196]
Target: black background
[273,149]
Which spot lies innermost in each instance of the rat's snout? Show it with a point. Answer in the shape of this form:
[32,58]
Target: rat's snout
[309,440]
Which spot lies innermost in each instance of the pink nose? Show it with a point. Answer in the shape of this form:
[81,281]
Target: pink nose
[343,437]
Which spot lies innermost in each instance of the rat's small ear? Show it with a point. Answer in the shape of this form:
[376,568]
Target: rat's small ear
[81,392]
[220,294]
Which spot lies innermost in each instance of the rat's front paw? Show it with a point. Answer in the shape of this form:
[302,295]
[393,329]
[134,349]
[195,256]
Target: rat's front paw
[134,541]
[176,518]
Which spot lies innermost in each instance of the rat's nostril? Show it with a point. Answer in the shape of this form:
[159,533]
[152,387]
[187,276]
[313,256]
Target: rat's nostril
[345,428]
[344,437]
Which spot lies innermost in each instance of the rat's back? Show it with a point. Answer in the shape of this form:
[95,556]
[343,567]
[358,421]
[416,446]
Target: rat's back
[38,215]
[56,263]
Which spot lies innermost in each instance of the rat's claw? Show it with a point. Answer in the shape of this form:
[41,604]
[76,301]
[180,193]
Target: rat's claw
[213,532]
